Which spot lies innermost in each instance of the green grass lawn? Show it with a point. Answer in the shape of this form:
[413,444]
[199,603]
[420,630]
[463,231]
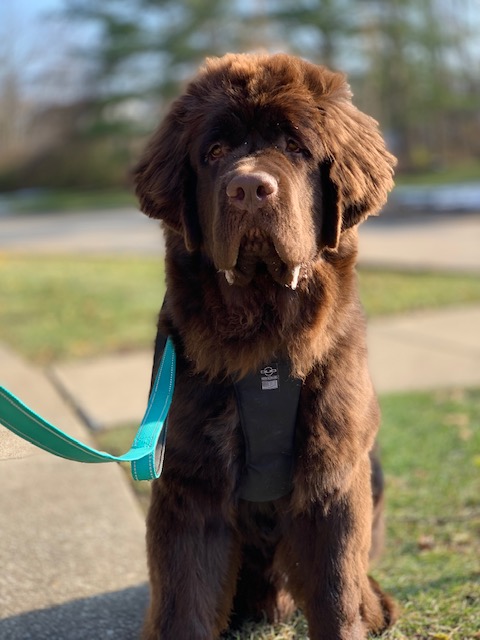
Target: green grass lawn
[54,308]
[53,200]
[431,455]
[456,173]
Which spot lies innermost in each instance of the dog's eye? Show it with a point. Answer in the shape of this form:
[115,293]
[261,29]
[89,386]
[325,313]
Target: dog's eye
[215,152]
[293,147]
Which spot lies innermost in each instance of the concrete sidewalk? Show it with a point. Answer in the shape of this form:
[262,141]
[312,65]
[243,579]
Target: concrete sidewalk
[425,350]
[71,535]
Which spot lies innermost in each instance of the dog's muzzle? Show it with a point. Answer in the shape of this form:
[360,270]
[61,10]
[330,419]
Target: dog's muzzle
[251,193]
[257,256]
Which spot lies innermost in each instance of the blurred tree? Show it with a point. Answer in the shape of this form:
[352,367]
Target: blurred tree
[13,110]
[411,77]
[146,48]
[413,64]
[400,55]
[317,29]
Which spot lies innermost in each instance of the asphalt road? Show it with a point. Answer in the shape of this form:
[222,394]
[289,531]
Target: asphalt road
[413,241]
[121,231]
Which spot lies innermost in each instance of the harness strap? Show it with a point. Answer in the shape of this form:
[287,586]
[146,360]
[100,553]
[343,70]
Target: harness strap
[146,452]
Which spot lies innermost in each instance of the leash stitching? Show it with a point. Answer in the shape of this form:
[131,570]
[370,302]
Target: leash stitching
[51,429]
[154,435]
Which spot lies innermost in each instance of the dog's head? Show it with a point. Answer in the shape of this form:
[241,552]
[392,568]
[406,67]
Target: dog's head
[262,164]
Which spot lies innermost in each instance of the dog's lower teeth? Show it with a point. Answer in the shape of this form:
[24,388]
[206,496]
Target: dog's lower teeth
[229,276]
[295,275]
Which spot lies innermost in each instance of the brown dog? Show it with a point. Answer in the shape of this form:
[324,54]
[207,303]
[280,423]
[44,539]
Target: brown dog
[261,172]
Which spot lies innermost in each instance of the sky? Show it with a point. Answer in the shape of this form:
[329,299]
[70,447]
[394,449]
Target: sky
[34,46]
[23,16]
[29,9]
[22,22]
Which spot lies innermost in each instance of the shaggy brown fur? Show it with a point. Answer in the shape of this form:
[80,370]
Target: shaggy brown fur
[261,172]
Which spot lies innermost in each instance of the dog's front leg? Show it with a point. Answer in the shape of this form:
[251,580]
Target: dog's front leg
[325,555]
[193,557]
[314,556]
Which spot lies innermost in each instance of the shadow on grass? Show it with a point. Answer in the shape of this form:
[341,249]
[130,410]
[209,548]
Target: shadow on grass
[410,591]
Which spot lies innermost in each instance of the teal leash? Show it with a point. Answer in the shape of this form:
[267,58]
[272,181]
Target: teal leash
[147,451]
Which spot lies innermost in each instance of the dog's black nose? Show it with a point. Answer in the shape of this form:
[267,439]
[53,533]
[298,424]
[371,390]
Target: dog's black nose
[250,191]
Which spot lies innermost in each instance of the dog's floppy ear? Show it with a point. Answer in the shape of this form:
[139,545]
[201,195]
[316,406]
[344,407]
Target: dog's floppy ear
[165,181]
[358,172]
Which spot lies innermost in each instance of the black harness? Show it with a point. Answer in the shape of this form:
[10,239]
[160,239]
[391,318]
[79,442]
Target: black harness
[267,403]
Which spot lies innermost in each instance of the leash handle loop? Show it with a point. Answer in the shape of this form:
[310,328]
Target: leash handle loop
[146,453]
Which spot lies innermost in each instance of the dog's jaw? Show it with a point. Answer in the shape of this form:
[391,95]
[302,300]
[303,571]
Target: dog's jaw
[258,258]
[291,280]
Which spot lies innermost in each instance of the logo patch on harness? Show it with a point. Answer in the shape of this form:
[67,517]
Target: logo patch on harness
[270,378]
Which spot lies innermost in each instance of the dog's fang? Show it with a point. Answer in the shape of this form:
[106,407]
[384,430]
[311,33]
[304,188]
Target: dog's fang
[295,275]
[229,276]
